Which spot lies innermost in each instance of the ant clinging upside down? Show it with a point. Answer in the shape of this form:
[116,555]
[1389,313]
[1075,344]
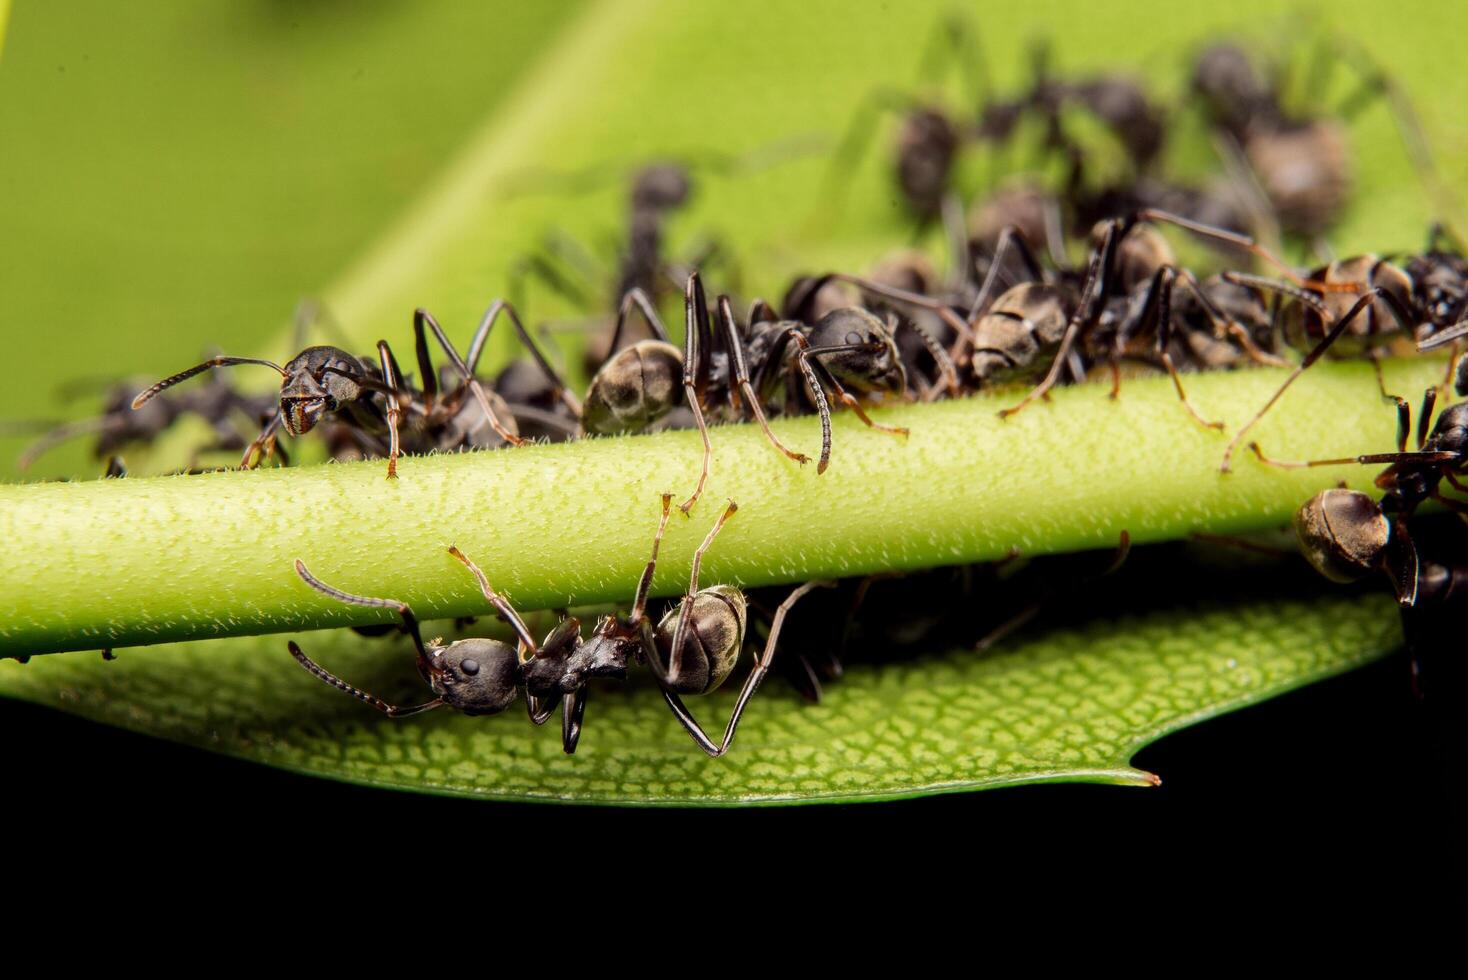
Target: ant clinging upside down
[690,651]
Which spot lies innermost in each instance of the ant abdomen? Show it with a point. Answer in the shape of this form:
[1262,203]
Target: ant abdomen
[1022,322]
[470,428]
[1343,533]
[715,637]
[636,388]
[477,676]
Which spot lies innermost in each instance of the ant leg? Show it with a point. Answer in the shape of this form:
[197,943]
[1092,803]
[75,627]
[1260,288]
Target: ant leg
[636,297]
[741,379]
[481,337]
[115,468]
[1401,563]
[938,354]
[1007,627]
[1088,311]
[391,710]
[685,606]
[573,710]
[1154,216]
[393,377]
[1361,305]
[943,310]
[1266,284]
[1047,594]
[422,318]
[1376,83]
[698,336]
[1163,283]
[1068,339]
[501,605]
[1372,459]
[955,39]
[817,393]
[644,584]
[262,442]
[850,401]
[853,147]
[1424,418]
[405,614]
[751,683]
[1011,239]
[58,435]
[429,374]
[1455,371]
[1235,330]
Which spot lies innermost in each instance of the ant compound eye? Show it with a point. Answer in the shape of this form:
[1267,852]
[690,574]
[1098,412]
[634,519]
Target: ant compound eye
[470,667]
[852,337]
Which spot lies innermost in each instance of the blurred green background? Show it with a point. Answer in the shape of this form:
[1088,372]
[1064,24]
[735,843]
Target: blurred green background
[177,175]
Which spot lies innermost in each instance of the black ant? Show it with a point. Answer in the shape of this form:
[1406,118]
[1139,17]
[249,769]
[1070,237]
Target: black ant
[656,192]
[691,651]
[359,400]
[930,139]
[1366,301]
[896,289]
[1301,162]
[1126,293]
[1121,263]
[118,426]
[731,372]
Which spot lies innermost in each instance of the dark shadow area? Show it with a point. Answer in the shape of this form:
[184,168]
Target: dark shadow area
[1345,765]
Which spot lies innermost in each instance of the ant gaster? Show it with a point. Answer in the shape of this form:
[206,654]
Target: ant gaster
[691,651]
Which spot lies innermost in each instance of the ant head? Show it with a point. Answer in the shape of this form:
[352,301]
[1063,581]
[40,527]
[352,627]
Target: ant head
[926,147]
[1343,533]
[317,381]
[476,676]
[1225,77]
[871,361]
[711,646]
[636,387]
[660,187]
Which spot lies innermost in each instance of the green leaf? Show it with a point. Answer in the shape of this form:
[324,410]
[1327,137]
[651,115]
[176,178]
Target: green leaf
[1070,704]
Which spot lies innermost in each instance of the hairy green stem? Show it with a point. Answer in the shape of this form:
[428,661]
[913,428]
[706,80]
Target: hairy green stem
[136,561]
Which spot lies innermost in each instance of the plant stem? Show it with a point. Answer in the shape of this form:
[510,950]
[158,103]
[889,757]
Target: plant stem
[136,561]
